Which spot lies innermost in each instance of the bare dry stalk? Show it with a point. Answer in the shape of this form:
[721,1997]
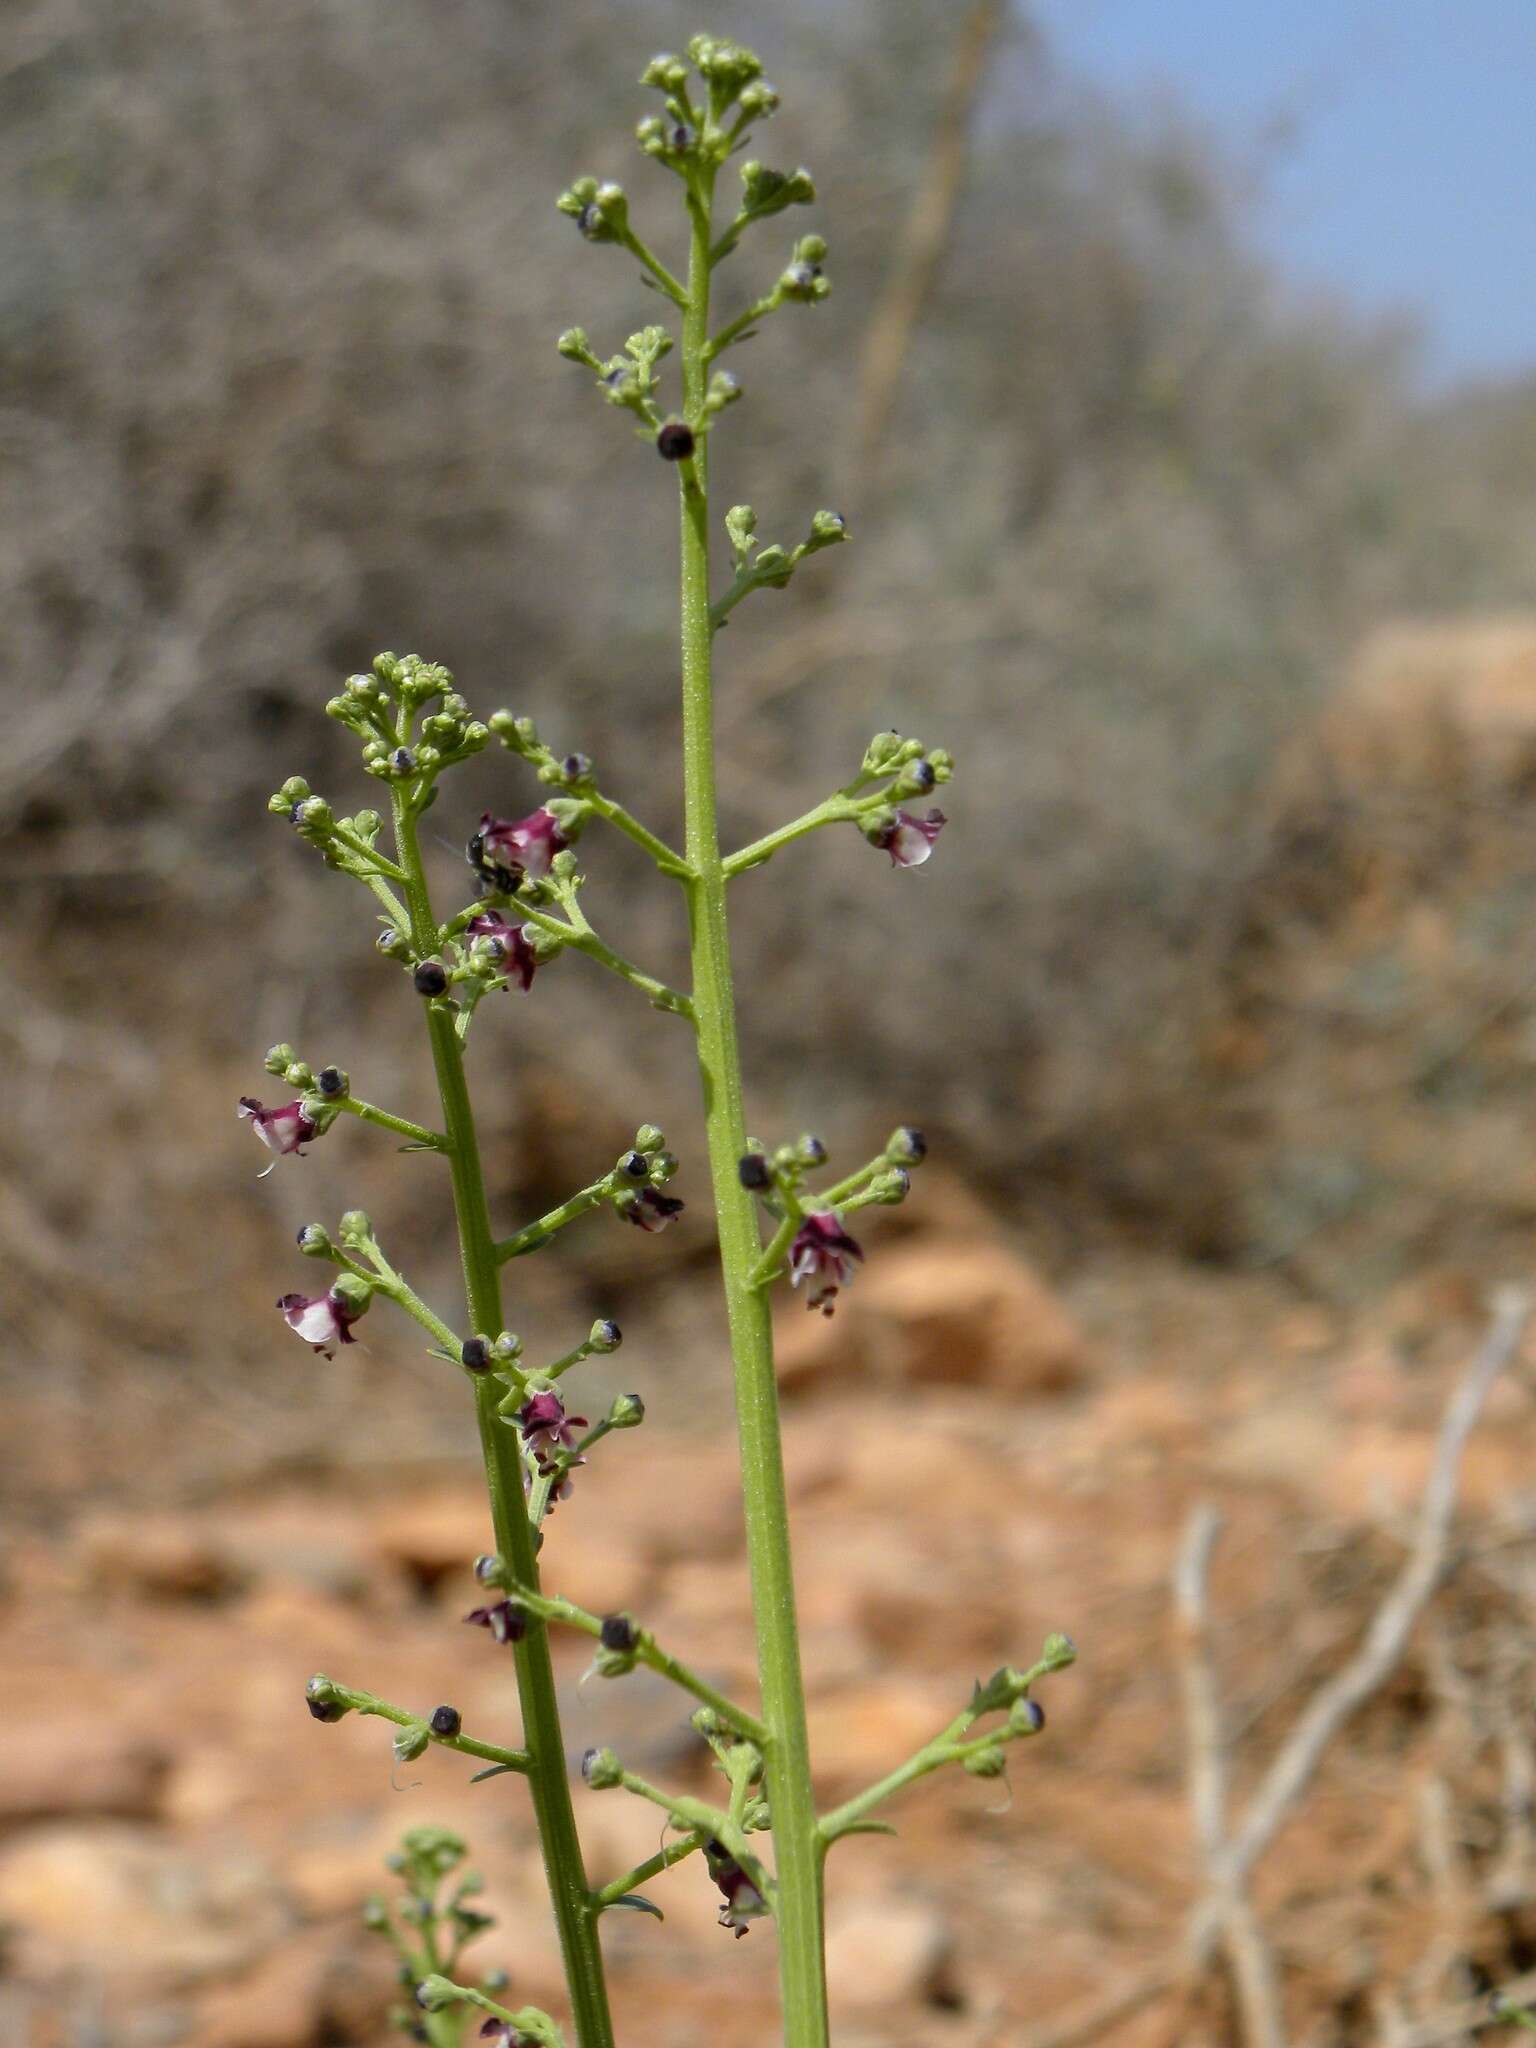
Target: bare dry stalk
[922,243]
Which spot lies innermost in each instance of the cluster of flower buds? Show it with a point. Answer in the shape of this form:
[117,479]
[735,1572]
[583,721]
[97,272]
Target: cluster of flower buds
[639,1181]
[914,771]
[628,379]
[600,210]
[771,567]
[423,1926]
[820,1251]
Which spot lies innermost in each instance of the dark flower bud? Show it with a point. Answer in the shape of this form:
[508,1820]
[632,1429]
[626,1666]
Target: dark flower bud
[1026,1717]
[618,1632]
[576,767]
[907,1146]
[636,1165]
[403,761]
[476,1354]
[602,1769]
[446,1721]
[754,1172]
[605,1335]
[431,978]
[323,1700]
[506,1620]
[921,777]
[675,441]
[332,1083]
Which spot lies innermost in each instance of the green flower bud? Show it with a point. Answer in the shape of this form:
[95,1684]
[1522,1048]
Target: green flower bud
[299,1075]
[708,1722]
[827,529]
[906,1146]
[375,1914]
[602,1770]
[986,1763]
[759,100]
[352,1290]
[314,817]
[355,1229]
[891,1187]
[663,1166]
[434,1994]
[605,1336]
[294,791]
[773,566]
[507,1348]
[279,1059]
[666,72]
[627,1412]
[1058,1652]
[314,1241]
[387,668]
[410,1742]
[740,525]
[649,1138]
[1026,1717]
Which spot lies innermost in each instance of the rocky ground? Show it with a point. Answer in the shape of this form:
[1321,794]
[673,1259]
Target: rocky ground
[975,1460]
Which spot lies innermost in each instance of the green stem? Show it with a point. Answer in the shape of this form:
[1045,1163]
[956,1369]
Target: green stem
[837,810]
[575,1916]
[623,821]
[429,1141]
[466,1745]
[534,1236]
[653,1866]
[787,1760]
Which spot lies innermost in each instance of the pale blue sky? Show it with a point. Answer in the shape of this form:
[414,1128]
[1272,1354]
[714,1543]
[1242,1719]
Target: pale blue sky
[1392,144]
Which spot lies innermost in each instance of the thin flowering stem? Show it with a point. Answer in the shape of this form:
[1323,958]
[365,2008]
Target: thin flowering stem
[836,810]
[420,1137]
[396,1288]
[580,937]
[770,1266]
[734,329]
[696,1815]
[466,1745]
[669,862]
[647,1651]
[380,863]
[629,240]
[564,1867]
[395,910]
[653,1866]
[534,1236]
[786,1745]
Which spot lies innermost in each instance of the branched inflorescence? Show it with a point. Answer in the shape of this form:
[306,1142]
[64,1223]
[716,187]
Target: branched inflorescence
[521,907]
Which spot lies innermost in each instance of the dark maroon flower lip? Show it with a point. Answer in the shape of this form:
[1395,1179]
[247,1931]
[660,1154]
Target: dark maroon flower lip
[511,943]
[650,1209]
[824,1254]
[282,1130]
[507,1622]
[547,1432]
[508,851]
[743,1902]
[908,839]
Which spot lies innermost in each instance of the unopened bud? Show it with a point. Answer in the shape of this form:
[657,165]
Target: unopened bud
[675,442]
[1058,1652]
[635,1164]
[575,347]
[435,1993]
[627,1412]
[618,1632]
[649,1138]
[810,1151]
[332,1083]
[605,1335]
[355,1228]
[906,1146]
[476,1354]
[446,1721]
[602,1770]
[279,1059]
[490,1571]
[314,1240]
[430,978]
[393,942]
[323,1700]
[754,1172]
[986,1763]
[410,1742]
[1026,1717]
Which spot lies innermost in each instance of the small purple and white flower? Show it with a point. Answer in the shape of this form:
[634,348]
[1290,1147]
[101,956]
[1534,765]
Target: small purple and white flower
[281,1130]
[547,1429]
[824,1254]
[502,2034]
[507,1622]
[322,1320]
[510,943]
[507,851]
[650,1210]
[909,839]
[743,1902]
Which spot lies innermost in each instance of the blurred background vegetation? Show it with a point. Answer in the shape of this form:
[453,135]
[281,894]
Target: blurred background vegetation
[277,325]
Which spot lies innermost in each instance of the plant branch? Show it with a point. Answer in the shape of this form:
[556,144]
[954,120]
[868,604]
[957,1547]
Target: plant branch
[466,1745]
